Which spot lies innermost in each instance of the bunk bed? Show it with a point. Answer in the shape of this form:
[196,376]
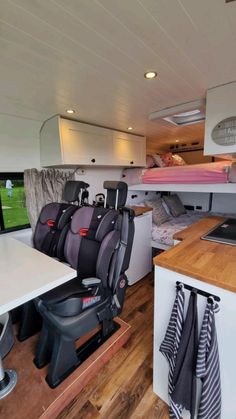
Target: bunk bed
[219,177]
[215,177]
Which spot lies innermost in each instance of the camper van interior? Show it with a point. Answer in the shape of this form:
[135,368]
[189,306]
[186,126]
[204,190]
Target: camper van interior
[117,209]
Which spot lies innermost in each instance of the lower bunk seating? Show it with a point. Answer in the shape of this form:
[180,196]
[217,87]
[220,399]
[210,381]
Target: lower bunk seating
[33,398]
[162,236]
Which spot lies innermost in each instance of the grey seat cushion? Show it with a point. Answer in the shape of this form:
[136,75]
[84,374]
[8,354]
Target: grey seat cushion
[175,205]
[159,214]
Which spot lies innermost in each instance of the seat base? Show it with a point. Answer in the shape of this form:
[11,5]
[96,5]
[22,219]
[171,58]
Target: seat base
[30,321]
[85,351]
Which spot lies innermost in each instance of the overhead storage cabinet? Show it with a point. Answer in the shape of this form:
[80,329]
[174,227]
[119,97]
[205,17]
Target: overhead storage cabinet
[220,128]
[128,150]
[67,142]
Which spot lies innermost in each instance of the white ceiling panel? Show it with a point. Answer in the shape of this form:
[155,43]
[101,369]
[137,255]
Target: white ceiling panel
[91,56]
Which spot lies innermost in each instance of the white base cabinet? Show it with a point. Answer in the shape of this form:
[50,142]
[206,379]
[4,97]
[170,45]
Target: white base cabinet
[141,256]
[165,292]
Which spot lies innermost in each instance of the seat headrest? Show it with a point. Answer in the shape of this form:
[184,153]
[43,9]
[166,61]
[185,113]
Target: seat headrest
[72,190]
[115,188]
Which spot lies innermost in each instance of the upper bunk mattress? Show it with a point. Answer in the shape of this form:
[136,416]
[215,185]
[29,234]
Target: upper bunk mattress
[205,173]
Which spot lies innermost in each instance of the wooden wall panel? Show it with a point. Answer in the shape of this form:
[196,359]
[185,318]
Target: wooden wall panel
[167,135]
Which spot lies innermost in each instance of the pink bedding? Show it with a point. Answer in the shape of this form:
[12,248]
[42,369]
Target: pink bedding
[218,172]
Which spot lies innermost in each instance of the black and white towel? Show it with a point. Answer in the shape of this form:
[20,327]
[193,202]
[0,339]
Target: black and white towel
[184,377]
[208,366]
[170,345]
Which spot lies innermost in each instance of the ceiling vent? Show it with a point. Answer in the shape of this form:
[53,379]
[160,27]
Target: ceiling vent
[183,114]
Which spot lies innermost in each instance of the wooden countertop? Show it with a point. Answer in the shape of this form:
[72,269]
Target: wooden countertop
[197,229]
[140,210]
[207,261]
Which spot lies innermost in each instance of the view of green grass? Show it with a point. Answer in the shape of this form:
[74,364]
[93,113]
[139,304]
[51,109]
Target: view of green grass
[14,209]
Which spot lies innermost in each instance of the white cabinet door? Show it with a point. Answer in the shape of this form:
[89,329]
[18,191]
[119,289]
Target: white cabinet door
[50,147]
[141,256]
[85,144]
[129,150]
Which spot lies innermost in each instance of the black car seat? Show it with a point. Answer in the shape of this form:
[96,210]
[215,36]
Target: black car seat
[99,245]
[49,237]
[54,220]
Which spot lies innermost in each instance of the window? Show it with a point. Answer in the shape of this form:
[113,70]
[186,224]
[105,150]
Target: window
[13,212]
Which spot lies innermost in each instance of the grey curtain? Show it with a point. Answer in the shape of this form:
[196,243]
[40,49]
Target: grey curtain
[42,187]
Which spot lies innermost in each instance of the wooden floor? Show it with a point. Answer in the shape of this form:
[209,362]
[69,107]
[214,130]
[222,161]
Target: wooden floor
[46,403]
[123,388]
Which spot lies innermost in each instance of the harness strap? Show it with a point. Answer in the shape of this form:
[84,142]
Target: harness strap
[51,238]
[121,253]
[47,242]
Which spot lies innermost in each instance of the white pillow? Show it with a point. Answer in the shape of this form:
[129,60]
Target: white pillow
[158,160]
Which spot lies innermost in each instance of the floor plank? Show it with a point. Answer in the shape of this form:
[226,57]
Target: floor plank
[150,407]
[123,388]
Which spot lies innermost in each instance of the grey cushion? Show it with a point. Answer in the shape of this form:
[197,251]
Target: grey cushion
[159,214]
[175,205]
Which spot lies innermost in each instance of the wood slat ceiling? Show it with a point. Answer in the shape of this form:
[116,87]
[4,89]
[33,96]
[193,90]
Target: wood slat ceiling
[91,56]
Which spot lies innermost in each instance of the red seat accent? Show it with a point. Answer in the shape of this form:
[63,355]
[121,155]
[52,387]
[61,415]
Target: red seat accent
[83,232]
[50,222]
[86,299]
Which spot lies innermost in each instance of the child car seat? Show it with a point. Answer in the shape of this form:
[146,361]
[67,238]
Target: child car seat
[99,244]
[53,221]
[49,237]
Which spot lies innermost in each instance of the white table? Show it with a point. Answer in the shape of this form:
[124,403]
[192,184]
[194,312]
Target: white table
[25,273]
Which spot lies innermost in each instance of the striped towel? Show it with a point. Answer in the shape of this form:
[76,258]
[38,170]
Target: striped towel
[170,346]
[184,378]
[208,366]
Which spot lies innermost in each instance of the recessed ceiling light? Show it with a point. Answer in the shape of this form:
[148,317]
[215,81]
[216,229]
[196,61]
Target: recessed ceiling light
[177,141]
[130,128]
[70,111]
[150,75]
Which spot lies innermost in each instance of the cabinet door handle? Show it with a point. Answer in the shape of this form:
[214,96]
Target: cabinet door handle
[93,160]
[132,162]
